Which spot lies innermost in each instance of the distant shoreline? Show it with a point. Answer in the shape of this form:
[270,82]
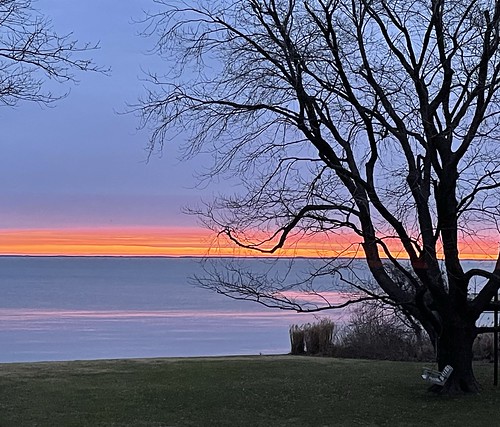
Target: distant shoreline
[203,257]
[171,256]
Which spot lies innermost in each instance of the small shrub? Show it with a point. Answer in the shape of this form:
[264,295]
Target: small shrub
[377,332]
[483,347]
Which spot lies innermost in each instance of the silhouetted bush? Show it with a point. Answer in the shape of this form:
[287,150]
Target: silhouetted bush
[483,347]
[378,332]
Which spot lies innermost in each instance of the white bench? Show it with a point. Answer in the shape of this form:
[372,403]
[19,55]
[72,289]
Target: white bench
[437,377]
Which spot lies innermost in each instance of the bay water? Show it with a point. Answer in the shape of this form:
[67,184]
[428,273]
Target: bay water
[77,308]
[74,308]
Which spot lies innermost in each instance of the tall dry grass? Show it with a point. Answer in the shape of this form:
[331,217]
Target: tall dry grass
[297,339]
[313,338]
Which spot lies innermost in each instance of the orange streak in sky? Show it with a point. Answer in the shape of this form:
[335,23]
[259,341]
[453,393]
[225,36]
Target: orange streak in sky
[138,242]
[129,242]
[184,242]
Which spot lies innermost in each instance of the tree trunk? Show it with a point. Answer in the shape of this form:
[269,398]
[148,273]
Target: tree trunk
[454,348]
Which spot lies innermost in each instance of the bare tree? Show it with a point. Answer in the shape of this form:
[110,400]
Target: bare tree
[372,119]
[31,52]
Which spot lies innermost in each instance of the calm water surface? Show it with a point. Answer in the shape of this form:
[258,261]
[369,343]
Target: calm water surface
[66,308]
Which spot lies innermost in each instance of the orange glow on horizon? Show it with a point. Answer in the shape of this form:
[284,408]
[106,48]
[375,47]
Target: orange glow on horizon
[176,242]
[104,242]
[133,242]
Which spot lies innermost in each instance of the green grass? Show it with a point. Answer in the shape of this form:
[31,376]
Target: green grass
[239,391]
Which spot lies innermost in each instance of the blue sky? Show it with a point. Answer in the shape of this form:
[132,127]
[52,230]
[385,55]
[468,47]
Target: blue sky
[80,163]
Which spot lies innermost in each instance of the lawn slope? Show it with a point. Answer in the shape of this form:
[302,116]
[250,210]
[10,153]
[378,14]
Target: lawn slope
[239,391]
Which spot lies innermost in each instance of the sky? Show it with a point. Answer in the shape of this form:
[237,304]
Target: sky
[75,177]
[81,166]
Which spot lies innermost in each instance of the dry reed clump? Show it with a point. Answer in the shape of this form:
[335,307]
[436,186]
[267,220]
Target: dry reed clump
[313,338]
[297,341]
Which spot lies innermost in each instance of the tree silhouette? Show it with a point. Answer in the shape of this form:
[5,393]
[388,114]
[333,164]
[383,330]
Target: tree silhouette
[371,119]
[31,53]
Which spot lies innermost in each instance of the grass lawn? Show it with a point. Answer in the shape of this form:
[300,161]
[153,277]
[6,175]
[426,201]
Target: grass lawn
[238,391]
